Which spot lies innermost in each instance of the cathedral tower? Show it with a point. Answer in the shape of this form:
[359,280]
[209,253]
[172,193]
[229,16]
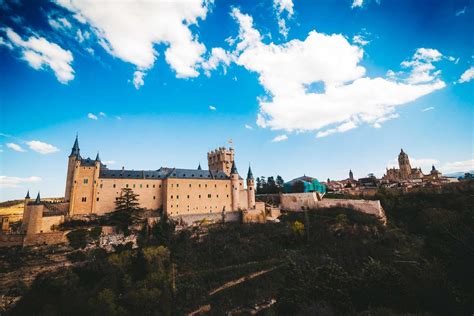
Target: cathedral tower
[71,166]
[404,164]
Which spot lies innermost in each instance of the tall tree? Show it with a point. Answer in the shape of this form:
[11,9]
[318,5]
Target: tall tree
[127,210]
[279,182]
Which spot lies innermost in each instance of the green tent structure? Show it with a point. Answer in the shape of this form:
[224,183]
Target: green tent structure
[309,184]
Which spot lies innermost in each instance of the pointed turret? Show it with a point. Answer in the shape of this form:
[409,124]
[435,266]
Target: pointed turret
[27,195]
[433,168]
[249,173]
[97,158]
[199,167]
[351,175]
[233,170]
[75,148]
[38,199]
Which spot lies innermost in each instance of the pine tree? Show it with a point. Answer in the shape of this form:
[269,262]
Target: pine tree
[127,210]
[280,182]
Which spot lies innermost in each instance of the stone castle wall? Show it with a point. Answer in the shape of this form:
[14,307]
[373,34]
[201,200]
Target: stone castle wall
[309,200]
[50,238]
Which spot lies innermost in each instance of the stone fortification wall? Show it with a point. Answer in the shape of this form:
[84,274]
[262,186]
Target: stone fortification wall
[8,240]
[299,201]
[47,222]
[193,219]
[45,238]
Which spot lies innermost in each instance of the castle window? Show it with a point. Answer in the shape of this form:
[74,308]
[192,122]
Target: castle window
[177,197]
[126,185]
[97,199]
[159,186]
[154,197]
[209,196]
[134,186]
[190,185]
[227,195]
[217,196]
[199,185]
[205,185]
[86,181]
[141,186]
[114,185]
[177,185]
[188,196]
[147,185]
[215,185]
[171,184]
[101,185]
[84,199]
[171,196]
[199,195]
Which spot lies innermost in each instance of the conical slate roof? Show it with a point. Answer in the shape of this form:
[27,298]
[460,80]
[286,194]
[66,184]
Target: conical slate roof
[233,170]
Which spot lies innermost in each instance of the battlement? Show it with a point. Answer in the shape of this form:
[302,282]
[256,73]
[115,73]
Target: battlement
[220,159]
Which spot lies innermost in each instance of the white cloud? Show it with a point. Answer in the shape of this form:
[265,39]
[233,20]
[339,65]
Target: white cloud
[219,56]
[422,68]
[15,147]
[359,39]
[458,166]
[340,129]
[212,108]
[279,138]
[118,118]
[15,182]
[92,116]
[129,30]
[349,97]
[138,79]
[109,162]
[102,114]
[248,126]
[42,148]
[461,12]
[281,7]
[40,53]
[59,23]
[467,75]
[357,4]
[430,108]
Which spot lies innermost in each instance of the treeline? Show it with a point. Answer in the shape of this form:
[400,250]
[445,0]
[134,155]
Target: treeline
[269,185]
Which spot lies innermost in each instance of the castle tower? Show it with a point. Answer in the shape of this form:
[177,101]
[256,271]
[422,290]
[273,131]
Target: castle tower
[234,179]
[35,215]
[404,164]
[95,182]
[71,166]
[351,175]
[26,210]
[221,159]
[250,189]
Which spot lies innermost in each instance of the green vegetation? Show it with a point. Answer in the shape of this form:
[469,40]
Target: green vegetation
[270,185]
[325,262]
[127,210]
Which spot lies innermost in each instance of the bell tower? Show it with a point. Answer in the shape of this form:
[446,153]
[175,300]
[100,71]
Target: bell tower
[404,164]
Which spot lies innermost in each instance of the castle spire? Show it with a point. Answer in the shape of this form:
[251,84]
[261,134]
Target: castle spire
[233,170]
[38,199]
[199,167]
[75,148]
[249,173]
[97,158]
[27,194]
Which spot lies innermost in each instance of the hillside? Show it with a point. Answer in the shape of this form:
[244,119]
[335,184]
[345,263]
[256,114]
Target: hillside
[329,262]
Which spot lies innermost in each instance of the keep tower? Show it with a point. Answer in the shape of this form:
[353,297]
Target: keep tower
[221,159]
[404,164]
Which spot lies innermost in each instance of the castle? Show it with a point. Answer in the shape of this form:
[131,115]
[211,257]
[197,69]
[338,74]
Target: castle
[406,172]
[92,189]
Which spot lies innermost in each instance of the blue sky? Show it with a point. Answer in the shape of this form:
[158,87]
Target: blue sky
[301,87]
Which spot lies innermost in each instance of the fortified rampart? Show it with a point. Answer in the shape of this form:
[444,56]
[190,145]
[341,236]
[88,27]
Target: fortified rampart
[311,200]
